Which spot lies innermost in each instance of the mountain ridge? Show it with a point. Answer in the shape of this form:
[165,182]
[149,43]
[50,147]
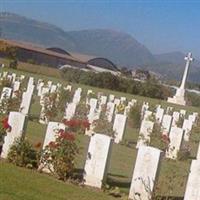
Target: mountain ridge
[121,48]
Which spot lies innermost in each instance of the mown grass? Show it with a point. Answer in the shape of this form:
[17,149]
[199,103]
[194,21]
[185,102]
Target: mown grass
[173,174]
[23,184]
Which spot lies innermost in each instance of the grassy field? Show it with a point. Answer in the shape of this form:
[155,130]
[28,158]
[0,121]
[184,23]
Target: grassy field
[172,177]
[22,184]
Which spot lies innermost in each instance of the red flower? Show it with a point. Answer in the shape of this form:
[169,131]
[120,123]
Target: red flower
[61,131]
[165,138]
[5,124]
[67,136]
[72,123]
[52,144]
[38,145]
[86,124]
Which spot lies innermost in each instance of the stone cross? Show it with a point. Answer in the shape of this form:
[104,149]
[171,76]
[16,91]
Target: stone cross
[188,59]
[179,97]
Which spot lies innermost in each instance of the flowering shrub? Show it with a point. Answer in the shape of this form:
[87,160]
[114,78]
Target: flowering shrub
[4,128]
[59,156]
[50,105]
[11,104]
[158,139]
[77,125]
[23,154]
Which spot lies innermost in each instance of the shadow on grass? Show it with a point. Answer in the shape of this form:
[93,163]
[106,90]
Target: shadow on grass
[118,183]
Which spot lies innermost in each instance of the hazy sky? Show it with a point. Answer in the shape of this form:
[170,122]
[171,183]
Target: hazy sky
[161,25]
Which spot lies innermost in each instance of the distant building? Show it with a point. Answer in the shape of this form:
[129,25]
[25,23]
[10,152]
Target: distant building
[141,74]
[57,57]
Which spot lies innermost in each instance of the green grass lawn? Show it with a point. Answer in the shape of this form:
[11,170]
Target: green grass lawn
[20,183]
[23,184]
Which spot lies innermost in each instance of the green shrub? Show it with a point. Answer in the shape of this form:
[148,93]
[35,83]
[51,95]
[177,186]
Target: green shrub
[151,88]
[59,156]
[135,116]
[23,154]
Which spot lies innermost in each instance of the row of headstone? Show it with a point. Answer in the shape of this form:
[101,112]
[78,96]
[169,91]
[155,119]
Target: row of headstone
[169,127]
[98,160]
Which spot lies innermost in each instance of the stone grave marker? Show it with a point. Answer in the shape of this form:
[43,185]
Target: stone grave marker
[166,124]
[146,129]
[159,114]
[187,127]
[110,111]
[70,110]
[16,120]
[176,116]
[176,139]
[77,96]
[119,127]
[6,93]
[51,134]
[26,100]
[97,162]
[145,173]
[192,191]
[16,87]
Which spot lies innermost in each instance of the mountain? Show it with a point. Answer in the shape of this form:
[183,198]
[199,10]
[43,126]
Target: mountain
[172,65]
[121,48]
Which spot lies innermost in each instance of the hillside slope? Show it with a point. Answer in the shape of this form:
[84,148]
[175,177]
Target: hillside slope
[119,47]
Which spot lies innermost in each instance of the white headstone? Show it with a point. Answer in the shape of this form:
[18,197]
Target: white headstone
[187,127]
[176,139]
[53,88]
[92,111]
[147,115]
[193,184]
[97,162]
[6,93]
[145,173]
[176,116]
[69,87]
[117,101]
[39,88]
[45,90]
[70,111]
[159,114]
[77,96]
[146,129]
[16,120]
[166,124]
[26,100]
[119,127]
[192,118]
[103,100]
[111,97]
[183,112]
[110,111]
[51,134]
[16,87]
